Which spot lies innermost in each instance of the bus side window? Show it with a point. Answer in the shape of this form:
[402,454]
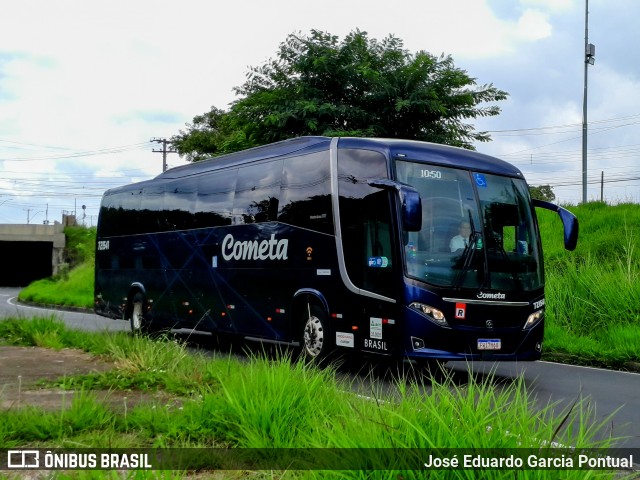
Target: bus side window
[180,204]
[121,213]
[151,215]
[257,192]
[108,220]
[214,201]
[305,196]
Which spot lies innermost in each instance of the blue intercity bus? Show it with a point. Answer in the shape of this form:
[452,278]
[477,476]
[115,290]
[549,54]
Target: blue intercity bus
[388,248]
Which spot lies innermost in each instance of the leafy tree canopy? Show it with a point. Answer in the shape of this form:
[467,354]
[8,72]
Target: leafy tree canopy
[319,85]
[542,192]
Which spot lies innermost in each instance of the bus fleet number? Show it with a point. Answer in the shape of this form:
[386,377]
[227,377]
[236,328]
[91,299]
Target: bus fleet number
[431,174]
[103,245]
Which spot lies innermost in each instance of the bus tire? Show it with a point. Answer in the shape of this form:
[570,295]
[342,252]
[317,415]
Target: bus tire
[315,334]
[139,324]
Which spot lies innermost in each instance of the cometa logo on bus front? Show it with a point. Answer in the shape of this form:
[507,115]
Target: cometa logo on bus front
[272,249]
[491,296]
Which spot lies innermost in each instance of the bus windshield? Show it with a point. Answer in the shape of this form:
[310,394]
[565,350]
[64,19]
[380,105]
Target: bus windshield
[477,231]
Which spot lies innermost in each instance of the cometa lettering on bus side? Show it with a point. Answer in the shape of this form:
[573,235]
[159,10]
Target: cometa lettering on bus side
[272,249]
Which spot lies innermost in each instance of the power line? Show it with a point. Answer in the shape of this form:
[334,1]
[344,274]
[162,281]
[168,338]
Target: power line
[120,175]
[594,181]
[568,125]
[89,153]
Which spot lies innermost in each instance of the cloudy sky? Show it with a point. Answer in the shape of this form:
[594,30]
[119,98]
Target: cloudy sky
[85,85]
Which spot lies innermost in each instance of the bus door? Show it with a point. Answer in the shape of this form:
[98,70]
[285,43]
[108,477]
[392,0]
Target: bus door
[372,266]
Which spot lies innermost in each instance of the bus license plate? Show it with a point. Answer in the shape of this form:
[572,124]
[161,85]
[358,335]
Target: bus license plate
[489,344]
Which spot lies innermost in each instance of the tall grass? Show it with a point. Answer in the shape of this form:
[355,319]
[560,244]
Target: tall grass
[593,293]
[46,332]
[31,425]
[73,286]
[273,403]
[74,289]
[80,245]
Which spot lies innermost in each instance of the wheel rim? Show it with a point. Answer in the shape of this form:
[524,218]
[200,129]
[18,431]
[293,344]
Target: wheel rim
[136,317]
[313,337]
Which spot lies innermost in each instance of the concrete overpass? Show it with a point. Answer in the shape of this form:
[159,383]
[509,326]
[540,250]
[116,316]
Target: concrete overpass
[30,252]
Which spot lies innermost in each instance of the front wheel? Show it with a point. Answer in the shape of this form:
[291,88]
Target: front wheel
[315,338]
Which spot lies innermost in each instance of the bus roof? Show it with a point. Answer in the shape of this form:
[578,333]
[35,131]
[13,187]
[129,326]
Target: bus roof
[433,153]
[445,155]
[264,152]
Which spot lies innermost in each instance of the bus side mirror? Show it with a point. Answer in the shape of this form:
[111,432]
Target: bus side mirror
[410,202]
[569,222]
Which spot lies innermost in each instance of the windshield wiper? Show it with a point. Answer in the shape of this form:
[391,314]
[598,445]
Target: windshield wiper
[468,254]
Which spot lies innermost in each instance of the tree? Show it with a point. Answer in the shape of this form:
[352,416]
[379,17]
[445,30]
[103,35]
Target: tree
[318,85]
[210,134]
[542,192]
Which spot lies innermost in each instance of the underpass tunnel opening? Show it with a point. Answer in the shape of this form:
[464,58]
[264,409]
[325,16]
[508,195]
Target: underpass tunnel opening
[25,262]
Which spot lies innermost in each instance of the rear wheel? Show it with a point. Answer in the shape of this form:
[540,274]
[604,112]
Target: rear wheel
[139,324]
[315,336]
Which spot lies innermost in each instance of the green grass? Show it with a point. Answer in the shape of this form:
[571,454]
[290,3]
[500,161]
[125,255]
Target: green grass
[268,403]
[593,293]
[73,286]
[80,245]
[72,290]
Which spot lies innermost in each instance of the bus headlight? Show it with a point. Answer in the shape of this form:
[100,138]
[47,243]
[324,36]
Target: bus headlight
[533,319]
[433,314]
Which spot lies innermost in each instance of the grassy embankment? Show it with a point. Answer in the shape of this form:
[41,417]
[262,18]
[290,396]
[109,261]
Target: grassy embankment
[73,286]
[266,403]
[593,293]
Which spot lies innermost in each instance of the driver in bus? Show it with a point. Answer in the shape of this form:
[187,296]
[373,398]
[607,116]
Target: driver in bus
[460,241]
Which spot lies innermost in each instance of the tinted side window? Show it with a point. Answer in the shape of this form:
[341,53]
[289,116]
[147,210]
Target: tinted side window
[151,216]
[129,223]
[215,198]
[119,213]
[257,192]
[108,217]
[180,204]
[305,196]
[365,220]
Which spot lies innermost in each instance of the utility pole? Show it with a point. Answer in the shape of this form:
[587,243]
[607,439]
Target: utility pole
[164,151]
[29,216]
[589,59]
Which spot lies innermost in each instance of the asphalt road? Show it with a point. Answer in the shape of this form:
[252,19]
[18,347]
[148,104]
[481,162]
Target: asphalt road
[608,392]
[9,306]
